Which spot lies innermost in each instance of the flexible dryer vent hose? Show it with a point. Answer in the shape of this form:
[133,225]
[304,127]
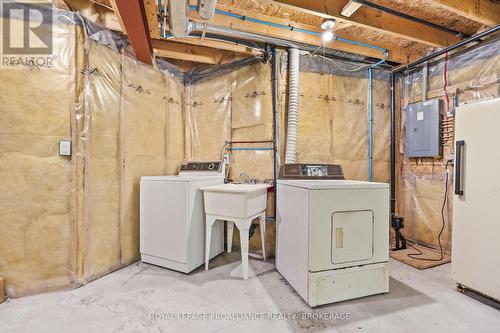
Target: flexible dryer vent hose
[293,105]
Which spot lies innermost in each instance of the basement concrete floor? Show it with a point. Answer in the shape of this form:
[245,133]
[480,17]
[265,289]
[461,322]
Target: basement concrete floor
[126,300]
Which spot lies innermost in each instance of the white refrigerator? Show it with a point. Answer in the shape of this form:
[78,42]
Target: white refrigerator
[476,203]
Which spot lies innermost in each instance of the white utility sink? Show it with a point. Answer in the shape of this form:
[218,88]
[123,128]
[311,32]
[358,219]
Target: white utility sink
[235,200]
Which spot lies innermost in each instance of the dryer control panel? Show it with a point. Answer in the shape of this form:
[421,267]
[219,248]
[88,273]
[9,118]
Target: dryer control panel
[311,171]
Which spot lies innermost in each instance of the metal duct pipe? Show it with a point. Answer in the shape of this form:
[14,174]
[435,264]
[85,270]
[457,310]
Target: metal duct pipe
[207,28]
[293,105]
[228,32]
[206,8]
[178,23]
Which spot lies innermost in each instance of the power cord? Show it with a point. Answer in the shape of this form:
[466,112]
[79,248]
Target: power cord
[441,252]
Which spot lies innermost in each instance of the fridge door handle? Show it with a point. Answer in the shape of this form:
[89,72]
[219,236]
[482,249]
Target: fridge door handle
[458,167]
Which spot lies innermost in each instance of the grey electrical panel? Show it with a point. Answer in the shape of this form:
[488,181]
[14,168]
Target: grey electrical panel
[423,129]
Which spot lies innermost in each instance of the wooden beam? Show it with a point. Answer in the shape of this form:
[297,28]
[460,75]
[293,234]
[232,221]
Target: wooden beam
[376,20]
[221,45]
[396,54]
[118,17]
[135,22]
[193,53]
[151,7]
[483,11]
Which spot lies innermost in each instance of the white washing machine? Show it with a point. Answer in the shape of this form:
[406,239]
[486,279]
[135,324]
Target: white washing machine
[172,218]
[332,235]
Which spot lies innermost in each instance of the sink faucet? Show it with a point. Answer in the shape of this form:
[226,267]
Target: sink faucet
[247,179]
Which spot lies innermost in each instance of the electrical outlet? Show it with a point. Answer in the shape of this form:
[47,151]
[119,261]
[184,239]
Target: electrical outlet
[451,158]
[64,148]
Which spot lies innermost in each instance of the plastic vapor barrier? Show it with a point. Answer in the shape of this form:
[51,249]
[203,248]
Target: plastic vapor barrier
[464,77]
[333,124]
[37,194]
[67,220]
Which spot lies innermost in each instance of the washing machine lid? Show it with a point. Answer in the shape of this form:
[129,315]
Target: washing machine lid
[331,184]
[193,171]
[181,178]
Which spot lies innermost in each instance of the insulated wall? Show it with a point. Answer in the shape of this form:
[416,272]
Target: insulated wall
[333,125]
[132,126]
[100,224]
[144,143]
[37,248]
[67,220]
[462,77]
[234,103]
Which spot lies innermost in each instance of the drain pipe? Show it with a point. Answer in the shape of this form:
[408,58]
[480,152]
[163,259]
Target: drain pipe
[293,105]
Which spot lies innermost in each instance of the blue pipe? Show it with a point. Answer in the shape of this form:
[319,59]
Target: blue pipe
[160,10]
[370,122]
[249,148]
[275,123]
[291,28]
[221,38]
[370,118]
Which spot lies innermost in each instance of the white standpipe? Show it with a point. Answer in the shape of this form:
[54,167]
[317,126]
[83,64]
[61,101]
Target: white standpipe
[293,105]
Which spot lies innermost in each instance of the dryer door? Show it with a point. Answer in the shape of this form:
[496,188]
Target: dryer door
[352,235]
[348,227]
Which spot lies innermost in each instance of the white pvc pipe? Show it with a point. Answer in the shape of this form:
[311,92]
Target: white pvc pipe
[293,105]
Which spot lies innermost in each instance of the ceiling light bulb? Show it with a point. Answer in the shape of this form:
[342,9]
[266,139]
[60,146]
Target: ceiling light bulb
[328,24]
[327,36]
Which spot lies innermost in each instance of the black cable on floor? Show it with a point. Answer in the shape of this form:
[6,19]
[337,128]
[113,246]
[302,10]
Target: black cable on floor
[441,252]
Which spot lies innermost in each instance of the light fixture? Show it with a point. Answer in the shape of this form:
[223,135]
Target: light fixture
[328,24]
[327,36]
[350,8]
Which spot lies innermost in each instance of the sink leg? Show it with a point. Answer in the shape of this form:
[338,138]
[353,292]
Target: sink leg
[262,228]
[230,227]
[244,233]
[208,237]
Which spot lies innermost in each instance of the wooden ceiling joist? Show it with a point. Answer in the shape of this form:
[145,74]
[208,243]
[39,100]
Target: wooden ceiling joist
[220,45]
[151,7]
[187,52]
[396,54]
[118,17]
[376,20]
[483,11]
